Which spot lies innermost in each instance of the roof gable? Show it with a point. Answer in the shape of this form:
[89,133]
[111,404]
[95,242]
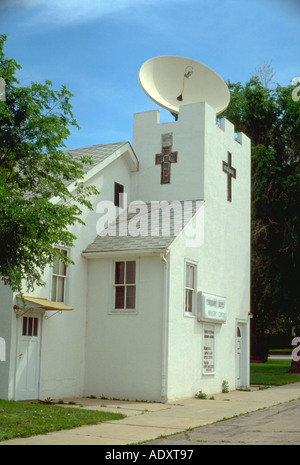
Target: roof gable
[101,156]
[101,152]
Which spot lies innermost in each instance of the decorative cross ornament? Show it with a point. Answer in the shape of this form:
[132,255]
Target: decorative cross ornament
[231,173]
[165,158]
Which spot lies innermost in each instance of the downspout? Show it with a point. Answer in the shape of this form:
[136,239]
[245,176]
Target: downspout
[165,328]
[250,316]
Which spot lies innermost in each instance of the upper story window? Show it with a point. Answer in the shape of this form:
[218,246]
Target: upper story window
[190,288]
[125,285]
[59,278]
[118,195]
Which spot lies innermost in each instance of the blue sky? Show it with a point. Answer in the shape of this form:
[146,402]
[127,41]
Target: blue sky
[96,48]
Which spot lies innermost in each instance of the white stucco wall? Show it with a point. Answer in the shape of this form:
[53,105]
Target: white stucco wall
[6,322]
[223,260]
[185,340]
[63,344]
[188,141]
[123,351]
[223,268]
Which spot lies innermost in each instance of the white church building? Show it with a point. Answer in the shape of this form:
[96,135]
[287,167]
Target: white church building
[156,306]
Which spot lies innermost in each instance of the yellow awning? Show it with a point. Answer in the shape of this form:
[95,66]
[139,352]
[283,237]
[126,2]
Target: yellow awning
[45,303]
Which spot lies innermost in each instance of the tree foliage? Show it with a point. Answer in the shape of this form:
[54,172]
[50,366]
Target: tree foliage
[271,118]
[34,169]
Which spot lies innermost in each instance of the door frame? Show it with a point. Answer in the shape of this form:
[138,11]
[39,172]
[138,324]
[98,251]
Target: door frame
[243,380]
[30,314]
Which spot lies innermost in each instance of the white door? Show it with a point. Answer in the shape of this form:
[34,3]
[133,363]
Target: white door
[28,357]
[238,357]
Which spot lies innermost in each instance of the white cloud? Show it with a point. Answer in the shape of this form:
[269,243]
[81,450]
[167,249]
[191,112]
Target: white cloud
[73,11]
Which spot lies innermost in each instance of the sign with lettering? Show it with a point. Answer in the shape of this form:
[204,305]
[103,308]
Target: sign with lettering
[211,308]
[208,349]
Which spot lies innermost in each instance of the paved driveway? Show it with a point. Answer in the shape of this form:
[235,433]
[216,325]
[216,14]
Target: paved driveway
[277,425]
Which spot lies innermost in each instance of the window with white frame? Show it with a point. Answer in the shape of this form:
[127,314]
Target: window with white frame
[59,277]
[125,285]
[190,288]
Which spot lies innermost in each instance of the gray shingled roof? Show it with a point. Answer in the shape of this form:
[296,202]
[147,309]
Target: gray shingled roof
[98,153]
[151,223]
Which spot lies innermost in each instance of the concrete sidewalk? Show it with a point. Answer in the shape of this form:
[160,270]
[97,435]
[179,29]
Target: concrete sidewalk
[147,421]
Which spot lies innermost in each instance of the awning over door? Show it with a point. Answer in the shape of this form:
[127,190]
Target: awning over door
[45,304]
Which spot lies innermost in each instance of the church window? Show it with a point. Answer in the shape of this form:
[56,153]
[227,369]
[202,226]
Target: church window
[118,195]
[190,289]
[125,285]
[59,278]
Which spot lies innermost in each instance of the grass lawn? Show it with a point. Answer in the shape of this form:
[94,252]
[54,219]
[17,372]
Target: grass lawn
[19,419]
[280,352]
[273,372]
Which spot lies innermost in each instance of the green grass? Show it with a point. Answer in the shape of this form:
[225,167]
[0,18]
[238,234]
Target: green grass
[280,351]
[19,419]
[273,372]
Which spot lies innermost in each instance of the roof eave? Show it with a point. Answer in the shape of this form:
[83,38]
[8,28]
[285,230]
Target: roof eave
[125,150]
[120,253]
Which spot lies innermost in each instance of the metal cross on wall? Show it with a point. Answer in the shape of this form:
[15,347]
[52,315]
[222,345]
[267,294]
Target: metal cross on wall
[231,173]
[165,158]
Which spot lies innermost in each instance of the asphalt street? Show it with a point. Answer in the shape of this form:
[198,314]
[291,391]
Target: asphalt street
[276,425]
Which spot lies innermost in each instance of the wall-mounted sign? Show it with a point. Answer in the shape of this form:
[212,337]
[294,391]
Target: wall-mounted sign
[211,308]
[208,349]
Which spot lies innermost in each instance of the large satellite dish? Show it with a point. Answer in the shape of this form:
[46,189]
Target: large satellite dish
[172,81]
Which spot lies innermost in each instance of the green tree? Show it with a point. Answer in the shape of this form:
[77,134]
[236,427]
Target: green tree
[271,118]
[34,169]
